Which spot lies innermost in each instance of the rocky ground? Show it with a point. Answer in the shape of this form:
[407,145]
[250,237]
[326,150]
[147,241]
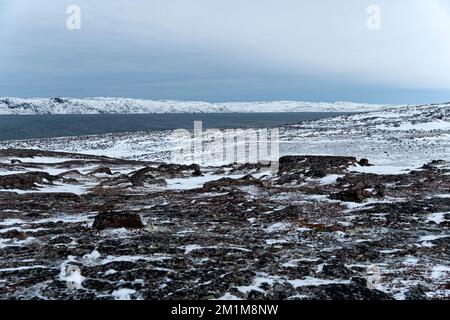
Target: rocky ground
[74,226]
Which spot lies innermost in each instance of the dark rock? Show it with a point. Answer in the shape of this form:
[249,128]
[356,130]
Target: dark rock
[359,281]
[417,293]
[294,168]
[247,180]
[283,290]
[197,172]
[117,220]
[70,181]
[246,167]
[25,181]
[371,180]
[336,270]
[255,295]
[356,193]
[71,173]
[58,100]
[332,164]
[142,176]
[176,169]
[290,178]
[364,163]
[278,287]
[105,170]
[15,161]
[380,191]
[432,164]
[14,234]
[317,173]
[349,292]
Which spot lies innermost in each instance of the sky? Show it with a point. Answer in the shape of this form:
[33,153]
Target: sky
[233,50]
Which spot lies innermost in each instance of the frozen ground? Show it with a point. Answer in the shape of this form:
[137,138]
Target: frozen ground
[129,226]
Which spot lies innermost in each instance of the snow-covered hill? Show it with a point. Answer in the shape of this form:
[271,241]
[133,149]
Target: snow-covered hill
[124,105]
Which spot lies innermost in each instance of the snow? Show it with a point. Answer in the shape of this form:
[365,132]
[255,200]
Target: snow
[440,271]
[425,240]
[423,126]
[123,294]
[411,261]
[69,188]
[279,226]
[62,218]
[330,179]
[38,159]
[437,217]
[125,258]
[432,237]
[228,296]
[22,268]
[110,272]
[189,183]
[310,281]
[238,248]
[91,257]
[4,243]
[290,264]
[11,222]
[6,172]
[23,230]
[101,105]
[115,232]
[442,196]
[195,182]
[389,251]
[257,282]
[383,169]
[261,279]
[191,247]
[275,241]
[54,188]
[71,274]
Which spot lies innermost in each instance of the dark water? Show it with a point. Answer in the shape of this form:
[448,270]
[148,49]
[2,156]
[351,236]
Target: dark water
[46,126]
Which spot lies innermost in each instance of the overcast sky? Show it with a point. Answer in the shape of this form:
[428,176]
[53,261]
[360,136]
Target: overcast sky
[227,50]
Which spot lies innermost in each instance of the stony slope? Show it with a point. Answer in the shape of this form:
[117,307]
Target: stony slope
[86,227]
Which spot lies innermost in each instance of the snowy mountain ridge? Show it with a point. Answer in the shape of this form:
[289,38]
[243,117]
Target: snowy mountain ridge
[103,105]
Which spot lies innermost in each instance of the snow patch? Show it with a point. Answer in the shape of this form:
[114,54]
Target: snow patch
[123,294]
[437,217]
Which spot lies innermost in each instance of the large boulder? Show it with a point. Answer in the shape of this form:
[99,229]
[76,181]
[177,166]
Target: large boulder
[356,193]
[174,170]
[26,181]
[294,169]
[14,234]
[230,183]
[107,220]
[144,176]
[364,163]
[317,165]
[101,169]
